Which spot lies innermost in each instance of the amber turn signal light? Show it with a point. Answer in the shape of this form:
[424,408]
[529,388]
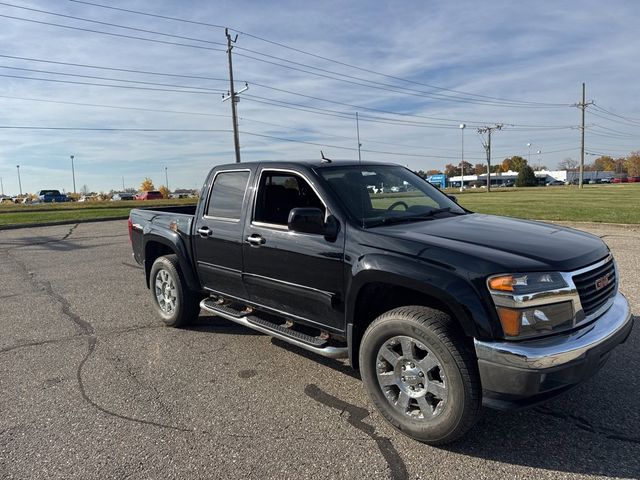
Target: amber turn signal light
[510,320]
[504,283]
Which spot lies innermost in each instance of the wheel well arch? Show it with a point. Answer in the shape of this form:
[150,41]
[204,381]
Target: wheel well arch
[375,298]
[152,251]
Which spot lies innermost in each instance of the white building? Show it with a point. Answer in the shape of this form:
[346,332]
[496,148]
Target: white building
[544,176]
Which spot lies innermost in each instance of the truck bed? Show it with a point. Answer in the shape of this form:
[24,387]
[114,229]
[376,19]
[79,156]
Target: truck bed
[145,222]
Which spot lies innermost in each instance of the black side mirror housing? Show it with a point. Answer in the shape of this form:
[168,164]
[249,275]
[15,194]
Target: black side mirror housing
[306,220]
[453,197]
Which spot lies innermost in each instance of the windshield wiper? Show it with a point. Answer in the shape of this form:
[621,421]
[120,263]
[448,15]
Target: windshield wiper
[415,217]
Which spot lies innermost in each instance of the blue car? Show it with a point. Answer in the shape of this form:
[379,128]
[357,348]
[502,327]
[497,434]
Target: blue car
[49,196]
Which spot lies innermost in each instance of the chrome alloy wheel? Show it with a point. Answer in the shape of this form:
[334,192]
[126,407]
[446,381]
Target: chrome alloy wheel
[411,377]
[165,289]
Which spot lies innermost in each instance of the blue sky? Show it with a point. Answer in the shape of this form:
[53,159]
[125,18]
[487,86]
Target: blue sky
[533,54]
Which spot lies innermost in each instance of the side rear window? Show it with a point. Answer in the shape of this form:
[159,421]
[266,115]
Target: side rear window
[227,195]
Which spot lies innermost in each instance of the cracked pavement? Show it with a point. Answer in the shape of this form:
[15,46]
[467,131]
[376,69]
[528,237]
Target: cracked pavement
[93,386]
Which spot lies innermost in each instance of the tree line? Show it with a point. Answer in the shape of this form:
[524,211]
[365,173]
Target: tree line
[628,165]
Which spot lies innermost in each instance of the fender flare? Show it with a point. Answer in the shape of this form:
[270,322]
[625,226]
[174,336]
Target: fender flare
[176,245]
[439,281]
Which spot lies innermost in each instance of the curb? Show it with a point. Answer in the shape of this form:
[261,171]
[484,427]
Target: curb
[61,222]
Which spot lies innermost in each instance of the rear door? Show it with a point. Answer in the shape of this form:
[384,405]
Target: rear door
[298,274]
[218,235]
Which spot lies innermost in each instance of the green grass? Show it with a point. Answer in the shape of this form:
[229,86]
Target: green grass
[595,203]
[22,214]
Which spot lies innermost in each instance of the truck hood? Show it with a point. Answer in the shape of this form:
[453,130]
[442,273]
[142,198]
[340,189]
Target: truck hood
[507,243]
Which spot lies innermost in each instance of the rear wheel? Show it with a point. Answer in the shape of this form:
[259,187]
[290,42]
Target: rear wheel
[176,304]
[420,375]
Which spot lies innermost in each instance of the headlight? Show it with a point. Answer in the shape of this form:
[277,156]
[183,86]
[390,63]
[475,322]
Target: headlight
[535,320]
[523,284]
[532,304]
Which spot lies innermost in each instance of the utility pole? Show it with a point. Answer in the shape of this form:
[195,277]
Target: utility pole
[487,148]
[358,133]
[73,173]
[123,183]
[2,186]
[19,181]
[582,106]
[233,95]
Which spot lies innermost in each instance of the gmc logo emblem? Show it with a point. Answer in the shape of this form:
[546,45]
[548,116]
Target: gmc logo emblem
[603,282]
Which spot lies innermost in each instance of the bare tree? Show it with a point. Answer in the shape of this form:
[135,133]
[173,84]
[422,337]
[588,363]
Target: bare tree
[568,164]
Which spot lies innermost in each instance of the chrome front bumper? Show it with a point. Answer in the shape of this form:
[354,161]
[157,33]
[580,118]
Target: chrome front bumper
[532,367]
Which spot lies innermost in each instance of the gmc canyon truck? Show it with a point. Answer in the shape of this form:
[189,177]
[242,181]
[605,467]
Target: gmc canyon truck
[441,309]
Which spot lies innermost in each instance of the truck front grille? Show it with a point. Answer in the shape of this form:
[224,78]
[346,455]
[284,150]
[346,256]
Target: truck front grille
[596,286]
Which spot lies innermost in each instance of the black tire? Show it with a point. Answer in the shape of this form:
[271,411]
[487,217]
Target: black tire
[448,374]
[186,307]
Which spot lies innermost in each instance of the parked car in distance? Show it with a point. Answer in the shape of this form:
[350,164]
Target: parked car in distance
[122,196]
[151,195]
[6,199]
[619,180]
[633,179]
[555,183]
[51,196]
[440,308]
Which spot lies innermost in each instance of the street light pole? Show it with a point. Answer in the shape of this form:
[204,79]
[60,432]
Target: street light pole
[166,178]
[73,173]
[2,186]
[462,127]
[539,152]
[19,181]
[529,147]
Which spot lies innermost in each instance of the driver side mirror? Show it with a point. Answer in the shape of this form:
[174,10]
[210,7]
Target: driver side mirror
[306,220]
[453,197]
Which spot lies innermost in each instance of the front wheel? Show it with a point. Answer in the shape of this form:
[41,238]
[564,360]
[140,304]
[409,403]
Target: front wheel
[176,304]
[419,374]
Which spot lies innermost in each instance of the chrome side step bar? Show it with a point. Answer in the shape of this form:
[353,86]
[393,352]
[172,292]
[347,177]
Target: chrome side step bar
[280,333]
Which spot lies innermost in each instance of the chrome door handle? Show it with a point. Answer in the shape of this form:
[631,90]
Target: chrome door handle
[204,231]
[256,240]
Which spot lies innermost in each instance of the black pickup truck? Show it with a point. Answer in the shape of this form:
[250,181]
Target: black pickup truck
[441,309]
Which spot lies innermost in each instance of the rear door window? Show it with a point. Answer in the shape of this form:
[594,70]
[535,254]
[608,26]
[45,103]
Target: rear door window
[227,195]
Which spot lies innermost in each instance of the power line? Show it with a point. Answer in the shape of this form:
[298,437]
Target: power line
[50,72]
[263,86]
[375,85]
[137,12]
[116,69]
[165,17]
[120,107]
[72,17]
[113,129]
[121,35]
[112,86]
[205,130]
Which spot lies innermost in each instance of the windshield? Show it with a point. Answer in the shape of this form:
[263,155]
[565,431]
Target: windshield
[385,194]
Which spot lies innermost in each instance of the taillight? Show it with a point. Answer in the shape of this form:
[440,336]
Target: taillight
[130,224]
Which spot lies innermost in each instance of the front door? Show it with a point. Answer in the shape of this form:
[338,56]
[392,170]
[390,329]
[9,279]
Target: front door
[218,235]
[297,274]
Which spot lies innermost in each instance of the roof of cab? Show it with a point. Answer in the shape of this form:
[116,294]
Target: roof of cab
[305,163]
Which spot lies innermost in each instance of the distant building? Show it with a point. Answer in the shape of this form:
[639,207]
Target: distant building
[543,176]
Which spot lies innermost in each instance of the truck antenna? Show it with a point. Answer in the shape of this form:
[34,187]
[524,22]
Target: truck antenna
[324,159]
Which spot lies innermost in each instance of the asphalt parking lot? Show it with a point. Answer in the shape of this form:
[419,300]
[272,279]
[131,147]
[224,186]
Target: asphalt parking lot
[92,386]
